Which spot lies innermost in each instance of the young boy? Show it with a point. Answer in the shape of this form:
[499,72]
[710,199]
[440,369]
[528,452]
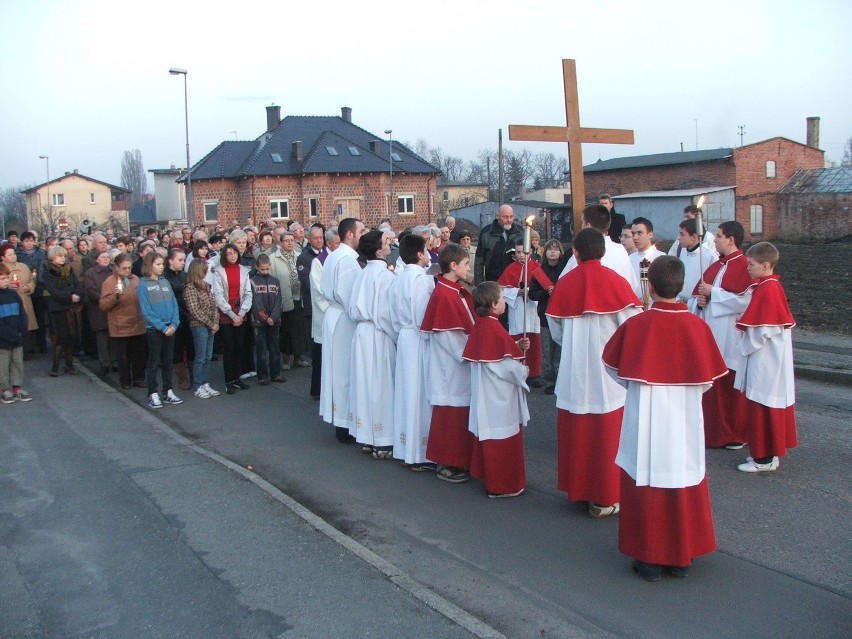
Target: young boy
[498,407]
[515,292]
[412,411]
[448,319]
[765,374]
[665,516]
[586,307]
[266,306]
[13,327]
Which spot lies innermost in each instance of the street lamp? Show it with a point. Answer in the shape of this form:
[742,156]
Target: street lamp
[49,210]
[389,133]
[176,71]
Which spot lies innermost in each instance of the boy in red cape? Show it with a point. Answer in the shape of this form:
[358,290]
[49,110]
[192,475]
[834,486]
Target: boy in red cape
[587,305]
[449,319]
[498,407]
[723,293]
[766,372]
[665,518]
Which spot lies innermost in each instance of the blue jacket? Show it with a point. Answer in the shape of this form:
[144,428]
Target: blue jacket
[13,320]
[158,304]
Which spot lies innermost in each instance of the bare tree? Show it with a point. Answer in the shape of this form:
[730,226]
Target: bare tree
[13,208]
[847,153]
[548,170]
[133,177]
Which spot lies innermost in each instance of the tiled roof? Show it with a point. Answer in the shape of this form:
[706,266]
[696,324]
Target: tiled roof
[272,153]
[446,182]
[113,187]
[659,159]
[835,180]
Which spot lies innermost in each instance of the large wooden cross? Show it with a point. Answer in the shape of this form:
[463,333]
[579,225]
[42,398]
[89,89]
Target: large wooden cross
[574,135]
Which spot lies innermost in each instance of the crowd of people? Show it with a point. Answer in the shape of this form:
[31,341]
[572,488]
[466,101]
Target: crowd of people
[423,348]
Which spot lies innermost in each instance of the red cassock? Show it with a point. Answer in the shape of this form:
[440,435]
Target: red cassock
[450,310]
[664,525]
[513,276]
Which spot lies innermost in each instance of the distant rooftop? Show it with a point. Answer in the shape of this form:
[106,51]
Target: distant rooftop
[674,192]
[835,180]
[659,159]
[445,182]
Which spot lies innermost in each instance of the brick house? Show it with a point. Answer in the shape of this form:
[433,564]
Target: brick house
[312,169]
[816,204]
[758,171]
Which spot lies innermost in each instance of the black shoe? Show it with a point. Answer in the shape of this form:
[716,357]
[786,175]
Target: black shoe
[534,382]
[241,384]
[54,372]
[263,382]
[343,435]
[648,572]
[550,390]
[104,371]
[230,389]
[678,571]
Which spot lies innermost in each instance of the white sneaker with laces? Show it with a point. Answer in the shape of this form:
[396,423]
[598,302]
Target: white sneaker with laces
[171,398]
[211,391]
[752,466]
[154,401]
[202,393]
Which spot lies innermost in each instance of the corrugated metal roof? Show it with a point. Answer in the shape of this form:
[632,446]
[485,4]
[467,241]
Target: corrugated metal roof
[659,159]
[673,193]
[834,180]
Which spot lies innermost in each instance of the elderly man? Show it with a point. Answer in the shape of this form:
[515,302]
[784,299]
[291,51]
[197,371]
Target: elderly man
[298,232]
[494,240]
[99,244]
[455,234]
[303,267]
[294,338]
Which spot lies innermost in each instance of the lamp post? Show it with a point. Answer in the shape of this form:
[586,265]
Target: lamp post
[48,210]
[183,72]
[389,133]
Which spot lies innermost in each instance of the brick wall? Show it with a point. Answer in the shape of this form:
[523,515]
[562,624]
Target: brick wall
[814,216]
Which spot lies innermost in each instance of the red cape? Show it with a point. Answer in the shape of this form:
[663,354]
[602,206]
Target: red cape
[590,288]
[768,306]
[450,308]
[697,361]
[736,278]
[489,342]
[513,274]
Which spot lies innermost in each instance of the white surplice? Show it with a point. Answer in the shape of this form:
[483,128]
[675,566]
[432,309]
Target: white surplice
[412,411]
[338,276]
[635,258]
[721,314]
[498,407]
[515,305]
[765,373]
[319,305]
[694,265]
[615,258]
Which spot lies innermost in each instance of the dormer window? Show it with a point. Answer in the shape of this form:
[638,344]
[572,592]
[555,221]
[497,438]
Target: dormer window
[331,150]
[276,157]
[353,150]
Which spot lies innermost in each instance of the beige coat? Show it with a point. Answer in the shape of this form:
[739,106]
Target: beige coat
[25,288]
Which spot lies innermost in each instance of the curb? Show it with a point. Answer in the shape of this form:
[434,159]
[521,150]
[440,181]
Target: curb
[841,378]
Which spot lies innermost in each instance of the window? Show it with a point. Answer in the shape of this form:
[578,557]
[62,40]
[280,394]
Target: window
[313,207]
[211,212]
[58,199]
[276,157]
[756,217]
[396,157]
[770,168]
[91,198]
[353,150]
[405,204]
[446,196]
[279,209]
[331,150]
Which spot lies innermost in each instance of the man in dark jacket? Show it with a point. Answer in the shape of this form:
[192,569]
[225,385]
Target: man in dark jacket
[35,258]
[494,240]
[617,220]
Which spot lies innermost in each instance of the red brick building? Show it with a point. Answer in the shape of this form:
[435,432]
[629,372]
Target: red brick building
[758,170]
[313,169]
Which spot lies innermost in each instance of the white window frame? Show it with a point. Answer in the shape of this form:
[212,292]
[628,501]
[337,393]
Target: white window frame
[771,171]
[278,215]
[91,198]
[755,214]
[402,201]
[58,199]
[207,218]
[313,203]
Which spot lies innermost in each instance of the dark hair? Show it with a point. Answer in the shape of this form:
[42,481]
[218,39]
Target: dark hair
[598,217]
[124,239]
[464,234]
[410,247]
[121,258]
[222,261]
[197,245]
[215,239]
[692,209]
[148,231]
[449,254]
[689,226]
[735,230]
[761,252]
[265,233]
[649,226]
[27,235]
[590,245]
[148,261]
[369,243]
[345,226]
[666,275]
[262,260]
[11,233]
[485,296]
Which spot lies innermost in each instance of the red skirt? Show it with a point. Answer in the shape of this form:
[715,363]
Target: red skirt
[586,449]
[450,441]
[724,413]
[771,430]
[666,526]
[533,354]
[500,464]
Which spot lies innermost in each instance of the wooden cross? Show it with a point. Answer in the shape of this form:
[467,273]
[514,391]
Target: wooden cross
[574,135]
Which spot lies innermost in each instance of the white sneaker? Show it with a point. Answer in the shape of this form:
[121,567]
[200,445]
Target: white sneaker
[202,393]
[210,391]
[245,376]
[171,398]
[154,401]
[752,466]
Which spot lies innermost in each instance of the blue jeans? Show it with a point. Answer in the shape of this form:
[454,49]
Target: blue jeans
[267,352]
[202,338]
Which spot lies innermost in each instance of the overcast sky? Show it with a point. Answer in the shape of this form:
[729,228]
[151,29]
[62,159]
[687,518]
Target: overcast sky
[84,81]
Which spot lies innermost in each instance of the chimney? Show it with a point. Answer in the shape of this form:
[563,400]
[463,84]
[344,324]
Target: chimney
[374,146]
[67,172]
[813,133]
[346,114]
[297,150]
[78,170]
[273,118]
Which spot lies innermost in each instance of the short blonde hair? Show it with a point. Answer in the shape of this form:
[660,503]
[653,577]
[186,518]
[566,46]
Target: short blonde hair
[55,250]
